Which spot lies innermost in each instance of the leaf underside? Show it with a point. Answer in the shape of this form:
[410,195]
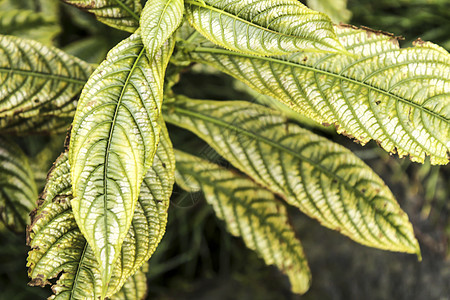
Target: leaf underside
[114,138]
[37,80]
[324,180]
[397,97]
[263,27]
[18,192]
[58,245]
[120,14]
[252,213]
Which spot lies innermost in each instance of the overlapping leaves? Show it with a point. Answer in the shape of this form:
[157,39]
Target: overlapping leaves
[398,97]
[18,192]
[252,213]
[114,138]
[325,180]
[58,245]
[263,27]
[120,14]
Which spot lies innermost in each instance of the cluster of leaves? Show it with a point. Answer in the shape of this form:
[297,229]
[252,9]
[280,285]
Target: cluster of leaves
[103,210]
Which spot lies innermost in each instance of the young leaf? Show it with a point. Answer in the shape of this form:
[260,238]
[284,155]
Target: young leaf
[252,213]
[114,138]
[36,79]
[18,192]
[58,245]
[398,97]
[120,14]
[264,27]
[135,288]
[325,180]
[159,20]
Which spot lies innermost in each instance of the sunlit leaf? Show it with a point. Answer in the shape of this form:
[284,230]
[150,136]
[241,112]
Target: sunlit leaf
[58,245]
[263,27]
[324,180]
[252,213]
[120,14]
[18,192]
[398,97]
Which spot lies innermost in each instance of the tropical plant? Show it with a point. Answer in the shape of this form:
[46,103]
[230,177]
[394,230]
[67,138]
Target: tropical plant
[103,210]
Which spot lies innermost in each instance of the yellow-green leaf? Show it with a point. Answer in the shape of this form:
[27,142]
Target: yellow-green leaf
[252,213]
[398,97]
[263,27]
[113,141]
[159,20]
[135,288]
[120,14]
[59,250]
[324,180]
[18,192]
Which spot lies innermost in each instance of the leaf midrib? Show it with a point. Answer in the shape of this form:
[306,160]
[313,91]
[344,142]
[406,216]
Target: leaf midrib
[127,9]
[325,72]
[32,73]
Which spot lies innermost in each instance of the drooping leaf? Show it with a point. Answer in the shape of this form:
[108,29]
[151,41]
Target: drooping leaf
[120,14]
[113,141]
[135,288]
[58,245]
[38,80]
[18,192]
[252,213]
[263,27]
[28,24]
[324,180]
[335,9]
[159,20]
[398,97]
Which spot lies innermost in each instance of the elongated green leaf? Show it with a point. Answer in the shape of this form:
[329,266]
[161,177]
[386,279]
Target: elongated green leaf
[263,27]
[135,288]
[252,213]
[113,141]
[28,24]
[325,180]
[58,245]
[120,14]
[159,20]
[18,192]
[398,97]
[36,79]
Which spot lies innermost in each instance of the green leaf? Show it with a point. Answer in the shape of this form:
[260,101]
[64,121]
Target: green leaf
[35,125]
[135,288]
[252,213]
[113,141]
[28,24]
[38,80]
[398,97]
[335,9]
[324,180]
[264,27]
[58,245]
[18,192]
[159,20]
[120,14]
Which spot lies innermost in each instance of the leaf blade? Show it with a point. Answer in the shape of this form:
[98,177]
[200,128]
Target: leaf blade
[252,213]
[113,142]
[259,27]
[324,180]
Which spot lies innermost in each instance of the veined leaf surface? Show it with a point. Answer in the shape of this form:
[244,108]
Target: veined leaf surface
[120,14]
[58,245]
[159,20]
[135,288]
[398,97]
[263,27]
[37,79]
[114,138]
[18,192]
[34,125]
[252,213]
[324,180]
